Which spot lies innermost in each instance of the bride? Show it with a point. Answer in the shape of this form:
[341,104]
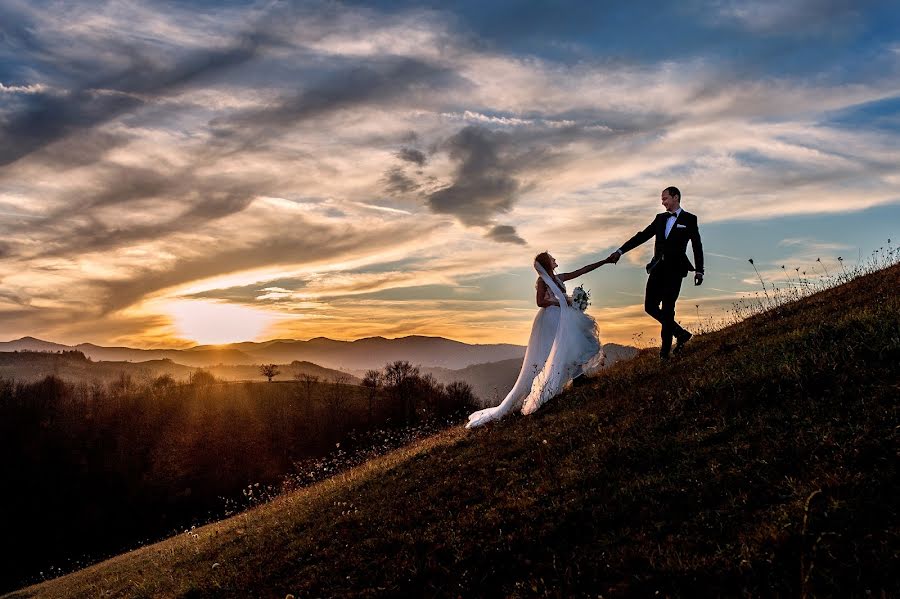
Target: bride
[564,343]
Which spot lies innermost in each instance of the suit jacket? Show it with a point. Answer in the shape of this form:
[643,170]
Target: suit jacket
[671,252]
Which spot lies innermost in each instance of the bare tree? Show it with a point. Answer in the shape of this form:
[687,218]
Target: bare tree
[400,379]
[307,380]
[337,392]
[269,371]
[460,394]
[338,396]
[372,381]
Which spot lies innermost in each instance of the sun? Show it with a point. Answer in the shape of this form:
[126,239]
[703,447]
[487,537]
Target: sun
[215,323]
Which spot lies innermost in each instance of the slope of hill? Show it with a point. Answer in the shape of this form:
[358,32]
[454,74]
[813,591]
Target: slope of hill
[490,382]
[761,463]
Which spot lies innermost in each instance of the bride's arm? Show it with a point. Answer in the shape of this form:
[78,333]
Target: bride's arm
[566,276]
[543,300]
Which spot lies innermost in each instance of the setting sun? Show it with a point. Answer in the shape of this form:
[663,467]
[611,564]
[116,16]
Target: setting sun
[212,323]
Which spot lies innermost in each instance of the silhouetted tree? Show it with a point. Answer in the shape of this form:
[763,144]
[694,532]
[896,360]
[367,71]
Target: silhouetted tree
[201,378]
[400,380]
[372,381]
[338,396]
[459,394]
[163,383]
[307,381]
[269,371]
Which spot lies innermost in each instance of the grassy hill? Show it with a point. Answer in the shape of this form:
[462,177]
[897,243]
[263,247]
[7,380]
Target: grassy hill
[762,463]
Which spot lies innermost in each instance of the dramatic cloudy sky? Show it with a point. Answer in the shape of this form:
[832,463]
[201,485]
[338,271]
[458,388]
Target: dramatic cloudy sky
[178,172]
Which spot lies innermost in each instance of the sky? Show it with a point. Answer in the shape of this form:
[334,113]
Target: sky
[174,172]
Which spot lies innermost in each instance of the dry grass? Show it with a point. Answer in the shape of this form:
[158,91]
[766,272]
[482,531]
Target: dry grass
[762,463]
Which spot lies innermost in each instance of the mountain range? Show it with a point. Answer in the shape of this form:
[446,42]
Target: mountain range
[361,354]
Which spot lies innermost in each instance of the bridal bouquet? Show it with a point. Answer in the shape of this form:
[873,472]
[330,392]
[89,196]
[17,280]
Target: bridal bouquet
[581,298]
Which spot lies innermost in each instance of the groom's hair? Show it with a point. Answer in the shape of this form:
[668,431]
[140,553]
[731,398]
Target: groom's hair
[673,191]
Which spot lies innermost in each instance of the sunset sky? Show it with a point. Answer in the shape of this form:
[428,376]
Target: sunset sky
[183,172]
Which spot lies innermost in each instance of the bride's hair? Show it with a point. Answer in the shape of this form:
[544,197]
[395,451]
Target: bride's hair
[544,260]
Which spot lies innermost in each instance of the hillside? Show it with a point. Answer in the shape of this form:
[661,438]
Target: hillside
[490,382]
[761,463]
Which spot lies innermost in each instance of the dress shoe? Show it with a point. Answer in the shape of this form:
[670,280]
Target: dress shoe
[680,342]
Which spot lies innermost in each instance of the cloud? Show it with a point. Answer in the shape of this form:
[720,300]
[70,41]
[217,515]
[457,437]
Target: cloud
[371,81]
[505,234]
[36,88]
[412,155]
[801,17]
[483,186]
[396,181]
[51,115]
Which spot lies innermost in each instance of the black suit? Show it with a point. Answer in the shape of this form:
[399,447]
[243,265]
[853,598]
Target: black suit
[670,265]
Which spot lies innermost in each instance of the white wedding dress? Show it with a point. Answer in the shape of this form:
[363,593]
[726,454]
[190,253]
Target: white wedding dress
[564,343]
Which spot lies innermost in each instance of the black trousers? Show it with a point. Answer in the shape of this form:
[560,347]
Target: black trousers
[663,287]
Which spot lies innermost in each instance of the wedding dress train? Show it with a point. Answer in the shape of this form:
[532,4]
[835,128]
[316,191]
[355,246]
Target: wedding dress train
[564,343]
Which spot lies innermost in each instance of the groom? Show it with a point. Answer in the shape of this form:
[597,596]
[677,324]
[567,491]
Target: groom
[673,229]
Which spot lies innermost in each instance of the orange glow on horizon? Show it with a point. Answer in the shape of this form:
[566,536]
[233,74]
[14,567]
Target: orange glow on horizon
[213,323]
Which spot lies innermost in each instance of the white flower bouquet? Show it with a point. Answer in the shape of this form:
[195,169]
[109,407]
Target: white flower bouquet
[581,298]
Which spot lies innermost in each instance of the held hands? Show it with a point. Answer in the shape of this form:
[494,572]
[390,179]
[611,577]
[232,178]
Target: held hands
[613,258]
[698,279]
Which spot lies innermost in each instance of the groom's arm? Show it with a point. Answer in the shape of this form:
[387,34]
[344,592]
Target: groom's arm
[698,248]
[638,239]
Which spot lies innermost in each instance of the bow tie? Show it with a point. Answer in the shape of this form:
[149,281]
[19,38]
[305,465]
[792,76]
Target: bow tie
[669,214]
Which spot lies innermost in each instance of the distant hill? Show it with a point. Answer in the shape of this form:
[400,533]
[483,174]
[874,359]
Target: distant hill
[74,366]
[375,352]
[362,354]
[32,344]
[248,373]
[492,381]
[191,357]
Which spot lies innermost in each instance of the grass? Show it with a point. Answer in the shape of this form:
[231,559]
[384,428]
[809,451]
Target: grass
[761,463]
